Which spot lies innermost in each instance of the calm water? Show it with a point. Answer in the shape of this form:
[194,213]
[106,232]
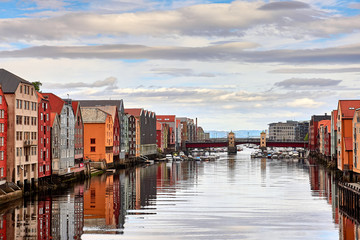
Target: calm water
[232,198]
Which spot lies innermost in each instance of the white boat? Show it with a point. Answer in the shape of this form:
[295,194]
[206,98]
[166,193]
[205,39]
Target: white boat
[169,157]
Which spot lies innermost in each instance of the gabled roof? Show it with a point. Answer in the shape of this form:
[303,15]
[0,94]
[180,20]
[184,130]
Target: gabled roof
[112,110]
[75,105]
[53,116]
[348,107]
[10,81]
[93,115]
[56,103]
[95,103]
[348,143]
[136,112]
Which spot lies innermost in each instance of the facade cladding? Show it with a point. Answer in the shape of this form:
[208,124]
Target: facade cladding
[288,131]
[148,127]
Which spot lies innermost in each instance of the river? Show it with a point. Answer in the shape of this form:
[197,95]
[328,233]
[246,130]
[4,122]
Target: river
[235,197]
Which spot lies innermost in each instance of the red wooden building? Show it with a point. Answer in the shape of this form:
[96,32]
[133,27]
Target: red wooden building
[3,137]
[44,140]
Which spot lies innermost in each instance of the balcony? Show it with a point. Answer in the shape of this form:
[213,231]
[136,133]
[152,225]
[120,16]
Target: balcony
[28,143]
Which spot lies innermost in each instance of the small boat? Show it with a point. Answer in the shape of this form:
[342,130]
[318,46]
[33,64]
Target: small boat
[169,157]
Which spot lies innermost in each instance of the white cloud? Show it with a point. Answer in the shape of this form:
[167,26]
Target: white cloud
[305,103]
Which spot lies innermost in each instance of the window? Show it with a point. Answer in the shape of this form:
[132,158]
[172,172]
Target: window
[41,116]
[1,172]
[0,99]
[1,141]
[20,88]
[92,140]
[92,149]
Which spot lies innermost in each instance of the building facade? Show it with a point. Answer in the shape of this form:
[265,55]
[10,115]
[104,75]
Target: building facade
[44,137]
[3,137]
[282,131]
[346,110]
[78,135]
[22,100]
[64,110]
[334,116]
[313,130]
[98,135]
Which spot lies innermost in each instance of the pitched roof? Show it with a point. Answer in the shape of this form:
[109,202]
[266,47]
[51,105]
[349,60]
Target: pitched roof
[75,105]
[136,112]
[348,107]
[93,115]
[110,110]
[56,103]
[95,103]
[10,81]
[53,116]
[348,143]
[325,123]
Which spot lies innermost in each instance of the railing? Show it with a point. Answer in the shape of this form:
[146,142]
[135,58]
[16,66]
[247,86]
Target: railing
[28,143]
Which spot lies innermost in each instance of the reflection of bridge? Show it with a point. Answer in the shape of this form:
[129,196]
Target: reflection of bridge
[223,142]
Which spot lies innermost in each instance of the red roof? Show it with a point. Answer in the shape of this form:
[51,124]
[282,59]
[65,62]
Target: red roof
[75,105]
[335,116]
[348,143]
[162,118]
[136,112]
[52,118]
[348,107]
[56,103]
[325,123]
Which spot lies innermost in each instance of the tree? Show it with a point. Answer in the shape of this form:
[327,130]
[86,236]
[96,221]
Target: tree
[37,85]
[306,137]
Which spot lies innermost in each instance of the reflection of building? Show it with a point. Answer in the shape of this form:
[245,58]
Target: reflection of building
[44,219]
[78,211]
[26,223]
[99,203]
[347,228]
[3,227]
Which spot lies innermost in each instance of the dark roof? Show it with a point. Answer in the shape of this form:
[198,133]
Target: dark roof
[317,118]
[95,103]
[10,81]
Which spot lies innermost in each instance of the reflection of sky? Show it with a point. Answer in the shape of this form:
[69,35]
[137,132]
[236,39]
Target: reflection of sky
[242,200]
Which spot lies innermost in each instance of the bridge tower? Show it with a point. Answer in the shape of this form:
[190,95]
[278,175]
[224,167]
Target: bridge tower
[263,140]
[231,143]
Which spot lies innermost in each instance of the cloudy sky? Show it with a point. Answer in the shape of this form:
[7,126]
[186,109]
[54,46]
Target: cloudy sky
[233,64]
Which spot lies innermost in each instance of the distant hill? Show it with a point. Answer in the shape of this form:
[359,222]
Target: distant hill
[238,133]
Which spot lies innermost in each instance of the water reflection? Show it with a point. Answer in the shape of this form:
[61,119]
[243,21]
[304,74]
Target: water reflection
[231,198]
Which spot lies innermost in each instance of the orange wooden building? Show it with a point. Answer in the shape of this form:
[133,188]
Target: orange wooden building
[98,135]
[346,110]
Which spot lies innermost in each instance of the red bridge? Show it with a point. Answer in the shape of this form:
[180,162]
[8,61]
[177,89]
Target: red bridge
[224,143]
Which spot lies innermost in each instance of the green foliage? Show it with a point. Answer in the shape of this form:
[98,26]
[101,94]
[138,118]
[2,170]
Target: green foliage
[37,85]
[306,138]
